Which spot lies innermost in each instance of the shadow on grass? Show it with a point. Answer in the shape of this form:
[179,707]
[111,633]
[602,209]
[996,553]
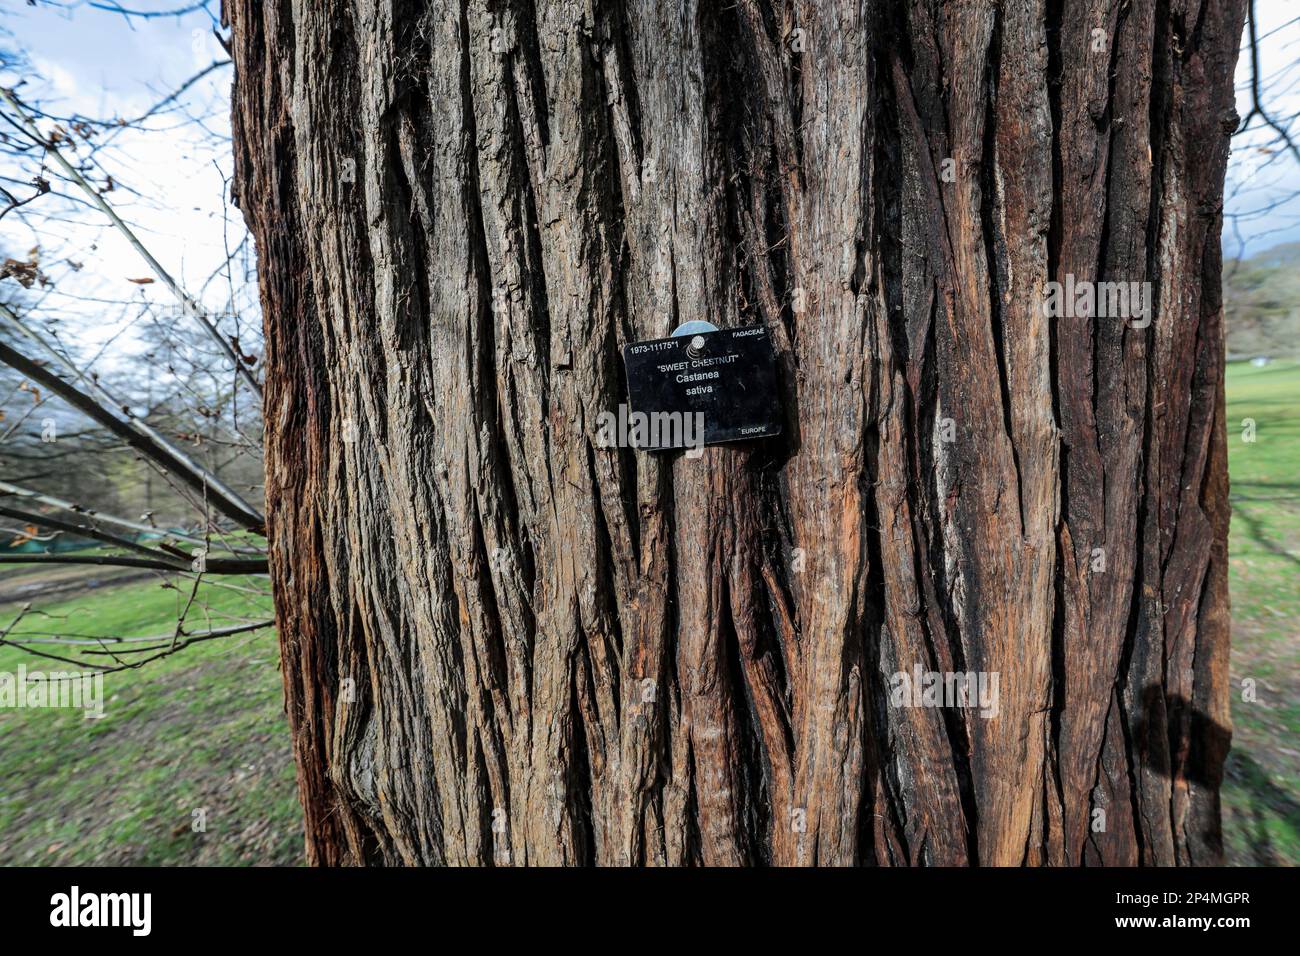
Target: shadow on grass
[1289,486]
[1266,801]
[1256,528]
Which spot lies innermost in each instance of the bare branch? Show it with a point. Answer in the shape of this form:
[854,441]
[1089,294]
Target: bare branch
[163,640]
[84,530]
[17,491]
[166,650]
[107,400]
[1256,92]
[143,439]
[211,565]
[188,303]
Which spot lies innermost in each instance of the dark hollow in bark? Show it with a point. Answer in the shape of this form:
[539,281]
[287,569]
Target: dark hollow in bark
[506,644]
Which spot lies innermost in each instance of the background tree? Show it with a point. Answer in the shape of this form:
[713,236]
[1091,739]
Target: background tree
[503,643]
[152,459]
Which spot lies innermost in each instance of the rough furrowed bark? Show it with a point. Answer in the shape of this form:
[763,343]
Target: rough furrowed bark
[507,644]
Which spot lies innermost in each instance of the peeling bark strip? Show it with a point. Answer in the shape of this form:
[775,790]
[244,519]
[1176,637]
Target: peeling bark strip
[505,644]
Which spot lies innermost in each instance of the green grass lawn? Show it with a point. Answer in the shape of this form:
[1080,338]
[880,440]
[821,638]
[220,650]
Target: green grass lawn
[1261,794]
[202,729]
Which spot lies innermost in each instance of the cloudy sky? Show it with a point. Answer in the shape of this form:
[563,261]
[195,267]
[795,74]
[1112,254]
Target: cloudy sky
[169,182]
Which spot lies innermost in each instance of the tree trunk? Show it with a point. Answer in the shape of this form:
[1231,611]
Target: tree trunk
[505,644]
